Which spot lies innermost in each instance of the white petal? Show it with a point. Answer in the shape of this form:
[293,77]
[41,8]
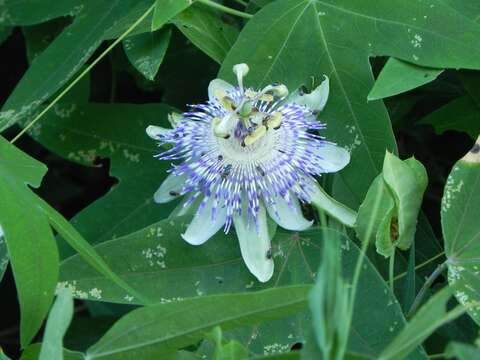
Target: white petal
[202,227]
[170,188]
[288,216]
[255,246]
[218,88]
[332,158]
[155,132]
[317,99]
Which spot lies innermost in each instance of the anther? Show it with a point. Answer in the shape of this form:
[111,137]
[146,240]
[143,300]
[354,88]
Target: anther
[259,132]
[274,121]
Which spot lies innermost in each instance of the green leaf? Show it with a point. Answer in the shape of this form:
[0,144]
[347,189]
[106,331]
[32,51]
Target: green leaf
[226,350]
[166,10]
[462,351]
[342,35]
[207,31]
[409,290]
[168,327]
[461,114]
[461,229]
[84,249]
[329,304]
[84,133]
[157,262]
[62,59]
[57,324]
[15,13]
[3,255]
[33,352]
[27,234]
[429,318]
[146,51]
[398,76]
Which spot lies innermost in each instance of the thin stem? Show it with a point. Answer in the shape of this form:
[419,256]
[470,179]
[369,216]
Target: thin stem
[241,2]
[421,294]
[225,9]
[83,73]
[419,266]
[361,258]
[391,272]
[437,356]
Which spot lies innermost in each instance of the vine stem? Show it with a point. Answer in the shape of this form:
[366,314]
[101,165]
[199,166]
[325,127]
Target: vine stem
[391,272]
[241,2]
[421,294]
[419,266]
[361,258]
[83,73]
[225,9]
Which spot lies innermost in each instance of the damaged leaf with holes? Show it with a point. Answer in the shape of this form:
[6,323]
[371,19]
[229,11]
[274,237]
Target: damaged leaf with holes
[460,215]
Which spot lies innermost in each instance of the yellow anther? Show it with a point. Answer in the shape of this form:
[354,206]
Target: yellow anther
[227,103]
[219,94]
[274,121]
[256,135]
[249,93]
[266,97]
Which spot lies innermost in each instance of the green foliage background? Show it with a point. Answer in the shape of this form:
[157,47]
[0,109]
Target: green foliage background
[84,78]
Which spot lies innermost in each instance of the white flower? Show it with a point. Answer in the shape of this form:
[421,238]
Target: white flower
[245,154]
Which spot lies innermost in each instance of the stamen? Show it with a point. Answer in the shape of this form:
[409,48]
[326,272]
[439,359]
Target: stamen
[257,134]
[274,121]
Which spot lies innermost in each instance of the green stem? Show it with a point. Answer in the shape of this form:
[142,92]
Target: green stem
[361,258]
[425,263]
[225,9]
[437,356]
[83,73]
[241,2]
[423,291]
[391,272]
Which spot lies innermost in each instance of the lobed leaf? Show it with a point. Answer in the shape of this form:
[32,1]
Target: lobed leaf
[460,213]
[398,76]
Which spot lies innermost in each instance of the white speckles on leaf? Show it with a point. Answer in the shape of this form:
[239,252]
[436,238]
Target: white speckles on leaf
[95,293]
[131,156]
[356,142]
[155,256]
[83,156]
[64,111]
[417,41]
[451,190]
[275,348]
[128,298]
[73,289]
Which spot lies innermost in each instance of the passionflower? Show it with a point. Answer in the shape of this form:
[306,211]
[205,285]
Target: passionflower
[243,154]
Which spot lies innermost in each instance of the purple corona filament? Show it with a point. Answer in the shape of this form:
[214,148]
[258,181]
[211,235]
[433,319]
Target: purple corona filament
[243,154]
